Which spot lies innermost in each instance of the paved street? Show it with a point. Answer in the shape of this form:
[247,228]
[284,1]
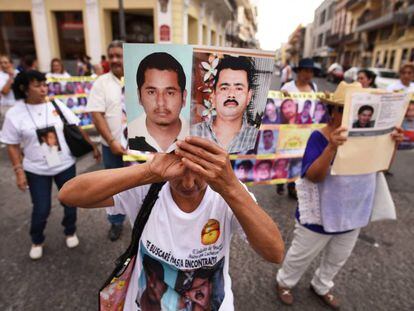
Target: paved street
[378,276]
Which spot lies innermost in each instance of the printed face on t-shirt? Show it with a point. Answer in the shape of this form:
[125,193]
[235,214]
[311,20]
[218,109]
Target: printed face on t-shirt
[161,97]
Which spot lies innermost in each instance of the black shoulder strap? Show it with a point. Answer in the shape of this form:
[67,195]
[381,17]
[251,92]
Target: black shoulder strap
[59,111]
[139,225]
[312,86]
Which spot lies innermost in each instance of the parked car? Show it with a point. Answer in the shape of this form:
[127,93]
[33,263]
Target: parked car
[384,76]
[335,73]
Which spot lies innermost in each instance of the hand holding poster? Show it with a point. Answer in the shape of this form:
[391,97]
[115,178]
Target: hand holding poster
[370,117]
[408,127]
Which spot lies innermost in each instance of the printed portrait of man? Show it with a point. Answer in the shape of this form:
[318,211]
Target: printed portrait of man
[233,91]
[244,170]
[161,87]
[365,114]
[155,286]
[263,170]
[267,144]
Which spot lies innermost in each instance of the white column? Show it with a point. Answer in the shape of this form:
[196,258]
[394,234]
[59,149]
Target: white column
[41,35]
[209,23]
[93,28]
[186,4]
[200,23]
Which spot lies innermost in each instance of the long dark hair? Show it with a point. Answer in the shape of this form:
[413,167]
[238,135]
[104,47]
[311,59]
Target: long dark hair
[370,75]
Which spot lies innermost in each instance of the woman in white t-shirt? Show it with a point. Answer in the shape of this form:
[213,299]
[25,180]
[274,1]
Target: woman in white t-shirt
[34,129]
[57,70]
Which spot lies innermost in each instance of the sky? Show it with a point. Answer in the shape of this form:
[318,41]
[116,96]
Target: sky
[277,19]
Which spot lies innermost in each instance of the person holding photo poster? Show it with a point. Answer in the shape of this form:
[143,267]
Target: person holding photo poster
[182,258]
[305,72]
[345,206]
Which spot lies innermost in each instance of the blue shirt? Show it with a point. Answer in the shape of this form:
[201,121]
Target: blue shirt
[345,201]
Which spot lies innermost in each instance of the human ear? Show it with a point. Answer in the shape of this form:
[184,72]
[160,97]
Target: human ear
[184,98]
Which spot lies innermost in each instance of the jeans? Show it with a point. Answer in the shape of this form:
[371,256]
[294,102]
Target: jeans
[41,192]
[112,161]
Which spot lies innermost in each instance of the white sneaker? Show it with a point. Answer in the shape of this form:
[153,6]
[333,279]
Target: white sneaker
[72,241]
[36,252]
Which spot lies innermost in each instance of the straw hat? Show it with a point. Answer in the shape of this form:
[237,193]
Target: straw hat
[338,97]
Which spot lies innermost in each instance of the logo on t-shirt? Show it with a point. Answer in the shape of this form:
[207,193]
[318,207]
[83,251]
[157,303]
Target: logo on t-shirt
[210,232]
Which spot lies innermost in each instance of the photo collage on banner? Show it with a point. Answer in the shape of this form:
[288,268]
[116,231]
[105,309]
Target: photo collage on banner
[73,92]
[287,124]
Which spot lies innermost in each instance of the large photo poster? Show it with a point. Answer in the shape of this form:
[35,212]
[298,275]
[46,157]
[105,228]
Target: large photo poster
[370,117]
[157,95]
[229,94]
[73,92]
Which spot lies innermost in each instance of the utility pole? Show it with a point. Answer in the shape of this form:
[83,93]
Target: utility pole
[121,14]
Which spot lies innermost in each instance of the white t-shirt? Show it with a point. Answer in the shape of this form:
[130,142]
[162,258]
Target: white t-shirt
[57,75]
[138,128]
[106,96]
[292,88]
[20,126]
[183,250]
[286,74]
[8,99]
[398,86]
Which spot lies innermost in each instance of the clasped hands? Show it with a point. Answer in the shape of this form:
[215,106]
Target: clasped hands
[198,156]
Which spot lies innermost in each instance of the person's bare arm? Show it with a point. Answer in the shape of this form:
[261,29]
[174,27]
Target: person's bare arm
[103,129]
[97,189]
[211,162]
[96,152]
[15,155]
[320,167]
[7,87]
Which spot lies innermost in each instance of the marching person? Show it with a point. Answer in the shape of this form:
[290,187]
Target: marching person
[57,69]
[105,105]
[34,124]
[405,84]
[7,75]
[305,71]
[201,195]
[346,201]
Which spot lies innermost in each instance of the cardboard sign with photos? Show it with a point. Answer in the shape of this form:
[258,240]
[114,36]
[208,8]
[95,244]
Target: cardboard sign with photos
[229,93]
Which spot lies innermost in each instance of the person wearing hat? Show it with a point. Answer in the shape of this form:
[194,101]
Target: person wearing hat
[405,83]
[336,236]
[305,72]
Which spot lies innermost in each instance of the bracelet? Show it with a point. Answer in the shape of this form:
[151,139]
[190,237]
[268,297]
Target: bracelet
[111,141]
